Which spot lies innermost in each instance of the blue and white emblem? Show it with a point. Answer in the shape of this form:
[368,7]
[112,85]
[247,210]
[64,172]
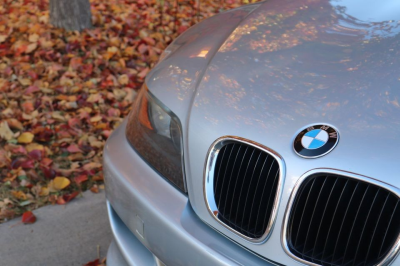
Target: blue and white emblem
[316,141]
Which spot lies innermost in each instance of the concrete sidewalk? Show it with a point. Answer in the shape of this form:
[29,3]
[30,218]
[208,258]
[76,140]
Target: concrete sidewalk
[62,235]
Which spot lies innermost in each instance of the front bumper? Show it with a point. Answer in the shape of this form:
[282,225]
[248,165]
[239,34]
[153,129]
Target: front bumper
[152,221]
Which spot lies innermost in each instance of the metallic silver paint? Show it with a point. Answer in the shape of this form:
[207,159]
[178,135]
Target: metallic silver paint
[130,250]
[386,260]
[286,65]
[172,231]
[209,183]
[268,70]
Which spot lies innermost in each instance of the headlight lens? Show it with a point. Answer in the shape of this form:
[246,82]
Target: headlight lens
[156,134]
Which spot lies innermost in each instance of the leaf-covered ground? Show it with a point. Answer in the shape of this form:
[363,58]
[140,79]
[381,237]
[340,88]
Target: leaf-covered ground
[63,93]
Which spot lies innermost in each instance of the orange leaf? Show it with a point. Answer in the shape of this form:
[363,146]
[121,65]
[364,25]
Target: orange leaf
[19,195]
[94,189]
[60,200]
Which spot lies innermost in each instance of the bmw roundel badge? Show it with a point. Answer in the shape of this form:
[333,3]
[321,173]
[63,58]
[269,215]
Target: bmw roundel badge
[316,141]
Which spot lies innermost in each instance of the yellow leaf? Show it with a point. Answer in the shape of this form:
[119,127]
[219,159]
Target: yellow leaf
[60,182]
[34,146]
[25,137]
[44,191]
[19,195]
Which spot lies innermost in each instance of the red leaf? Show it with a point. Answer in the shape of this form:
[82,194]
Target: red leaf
[96,262]
[19,149]
[31,89]
[69,197]
[142,48]
[28,217]
[48,172]
[33,75]
[73,149]
[45,135]
[74,122]
[36,154]
[81,178]
[46,162]
[28,164]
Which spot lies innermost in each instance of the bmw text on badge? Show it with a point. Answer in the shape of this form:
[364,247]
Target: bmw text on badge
[316,141]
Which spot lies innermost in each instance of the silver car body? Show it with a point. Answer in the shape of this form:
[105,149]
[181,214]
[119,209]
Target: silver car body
[262,72]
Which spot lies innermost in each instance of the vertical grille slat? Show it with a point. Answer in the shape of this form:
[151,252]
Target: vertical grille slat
[376,227]
[246,177]
[219,167]
[245,188]
[262,195]
[302,214]
[312,216]
[248,189]
[343,222]
[365,225]
[269,199]
[232,196]
[336,220]
[387,229]
[322,219]
[354,223]
[255,193]
[333,219]
[229,183]
[223,179]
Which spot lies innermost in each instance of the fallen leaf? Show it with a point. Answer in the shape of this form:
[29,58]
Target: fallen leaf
[26,137]
[44,191]
[94,189]
[81,178]
[69,197]
[5,131]
[73,148]
[33,37]
[3,38]
[60,182]
[34,146]
[96,262]
[28,217]
[31,48]
[19,195]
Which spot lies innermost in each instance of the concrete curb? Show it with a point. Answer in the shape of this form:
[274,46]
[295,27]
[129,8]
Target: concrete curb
[62,235]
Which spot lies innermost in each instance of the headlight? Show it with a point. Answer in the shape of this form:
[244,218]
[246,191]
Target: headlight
[156,134]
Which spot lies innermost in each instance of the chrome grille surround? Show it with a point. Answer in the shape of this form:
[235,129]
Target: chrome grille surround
[209,183]
[390,256]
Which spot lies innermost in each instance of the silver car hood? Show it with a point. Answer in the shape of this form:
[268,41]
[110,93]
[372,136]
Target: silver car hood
[264,72]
